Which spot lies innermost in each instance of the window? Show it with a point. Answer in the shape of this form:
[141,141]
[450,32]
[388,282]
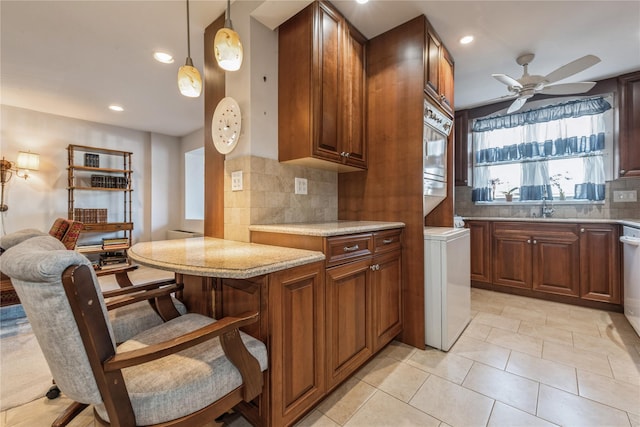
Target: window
[560,152]
[194,184]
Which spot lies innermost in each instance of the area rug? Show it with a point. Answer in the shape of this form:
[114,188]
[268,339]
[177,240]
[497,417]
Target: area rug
[24,373]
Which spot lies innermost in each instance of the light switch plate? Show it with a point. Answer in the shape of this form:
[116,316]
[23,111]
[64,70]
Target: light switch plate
[301,185]
[625,196]
[236,181]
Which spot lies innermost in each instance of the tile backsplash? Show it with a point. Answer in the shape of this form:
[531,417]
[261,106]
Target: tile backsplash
[607,210]
[268,195]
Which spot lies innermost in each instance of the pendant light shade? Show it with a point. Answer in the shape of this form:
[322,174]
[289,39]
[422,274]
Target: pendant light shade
[227,46]
[189,80]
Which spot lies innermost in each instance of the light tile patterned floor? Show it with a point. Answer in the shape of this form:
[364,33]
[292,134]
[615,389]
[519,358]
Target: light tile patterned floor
[521,362]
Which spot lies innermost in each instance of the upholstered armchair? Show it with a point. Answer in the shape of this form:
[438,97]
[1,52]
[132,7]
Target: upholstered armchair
[185,372]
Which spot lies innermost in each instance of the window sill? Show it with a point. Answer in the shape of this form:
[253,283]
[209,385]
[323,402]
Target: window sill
[527,203]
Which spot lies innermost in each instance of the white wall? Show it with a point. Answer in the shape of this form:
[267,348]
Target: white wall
[189,142]
[35,203]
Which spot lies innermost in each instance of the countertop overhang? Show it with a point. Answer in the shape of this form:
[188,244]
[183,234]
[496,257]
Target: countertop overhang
[211,257]
[327,229]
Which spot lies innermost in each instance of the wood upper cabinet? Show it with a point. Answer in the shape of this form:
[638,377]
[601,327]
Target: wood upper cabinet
[480,232]
[321,90]
[629,90]
[540,258]
[600,262]
[438,71]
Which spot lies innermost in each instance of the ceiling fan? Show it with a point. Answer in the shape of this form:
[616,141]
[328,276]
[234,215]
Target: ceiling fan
[528,85]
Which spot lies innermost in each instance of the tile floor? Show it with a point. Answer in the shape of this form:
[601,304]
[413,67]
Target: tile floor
[520,362]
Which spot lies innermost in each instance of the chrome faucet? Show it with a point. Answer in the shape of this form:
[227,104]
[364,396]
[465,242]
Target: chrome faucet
[546,211]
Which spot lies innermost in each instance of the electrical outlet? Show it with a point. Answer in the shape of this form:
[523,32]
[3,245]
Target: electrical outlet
[301,185]
[625,196]
[236,181]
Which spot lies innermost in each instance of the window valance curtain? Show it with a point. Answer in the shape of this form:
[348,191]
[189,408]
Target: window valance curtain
[575,128]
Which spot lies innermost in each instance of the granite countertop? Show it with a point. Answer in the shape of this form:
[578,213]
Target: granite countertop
[211,257]
[629,222]
[327,229]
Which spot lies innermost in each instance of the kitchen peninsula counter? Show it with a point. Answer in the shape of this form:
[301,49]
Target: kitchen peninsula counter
[211,257]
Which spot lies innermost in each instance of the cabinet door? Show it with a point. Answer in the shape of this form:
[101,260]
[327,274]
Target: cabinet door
[446,80]
[512,260]
[354,146]
[480,250]
[386,289]
[296,355]
[348,319]
[599,263]
[556,264]
[432,63]
[629,89]
[329,74]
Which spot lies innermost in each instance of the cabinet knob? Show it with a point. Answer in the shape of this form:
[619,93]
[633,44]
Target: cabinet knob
[529,241]
[622,171]
[582,230]
[535,242]
[347,154]
[351,248]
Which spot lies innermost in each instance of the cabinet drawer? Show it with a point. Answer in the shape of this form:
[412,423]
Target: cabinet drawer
[386,241]
[347,248]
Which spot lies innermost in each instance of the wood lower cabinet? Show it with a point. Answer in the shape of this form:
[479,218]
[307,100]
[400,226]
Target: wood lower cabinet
[480,236]
[600,263]
[386,301]
[566,262]
[348,290]
[292,325]
[356,312]
[541,258]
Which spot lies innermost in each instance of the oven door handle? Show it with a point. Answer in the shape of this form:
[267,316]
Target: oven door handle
[633,241]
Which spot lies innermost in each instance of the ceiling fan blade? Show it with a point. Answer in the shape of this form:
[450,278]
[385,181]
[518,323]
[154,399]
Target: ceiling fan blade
[509,81]
[572,68]
[568,88]
[517,104]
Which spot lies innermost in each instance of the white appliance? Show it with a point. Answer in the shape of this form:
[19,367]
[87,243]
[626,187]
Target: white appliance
[631,248]
[447,277]
[437,127]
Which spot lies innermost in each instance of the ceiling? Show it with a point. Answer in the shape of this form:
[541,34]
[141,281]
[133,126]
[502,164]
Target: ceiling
[74,58]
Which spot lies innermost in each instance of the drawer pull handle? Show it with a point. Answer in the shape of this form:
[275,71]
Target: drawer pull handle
[387,241]
[351,248]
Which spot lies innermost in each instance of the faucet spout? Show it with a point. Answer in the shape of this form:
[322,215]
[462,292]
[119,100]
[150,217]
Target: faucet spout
[545,211]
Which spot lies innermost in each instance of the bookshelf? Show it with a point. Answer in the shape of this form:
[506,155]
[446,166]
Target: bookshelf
[98,180]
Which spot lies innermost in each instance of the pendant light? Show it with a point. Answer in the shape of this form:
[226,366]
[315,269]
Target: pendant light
[227,46]
[189,80]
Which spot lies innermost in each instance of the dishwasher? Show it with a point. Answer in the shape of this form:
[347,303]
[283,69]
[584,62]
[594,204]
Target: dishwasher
[631,248]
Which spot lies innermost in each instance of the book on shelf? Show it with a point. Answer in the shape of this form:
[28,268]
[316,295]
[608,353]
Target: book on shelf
[113,266]
[115,247]
[89,248]
[115,241]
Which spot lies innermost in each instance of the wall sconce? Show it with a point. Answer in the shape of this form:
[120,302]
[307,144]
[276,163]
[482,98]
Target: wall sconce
[27,161]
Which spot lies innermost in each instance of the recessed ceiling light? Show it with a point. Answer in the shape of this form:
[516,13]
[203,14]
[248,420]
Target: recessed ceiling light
[114,107]
[362,1]
[163,57]
[466,40]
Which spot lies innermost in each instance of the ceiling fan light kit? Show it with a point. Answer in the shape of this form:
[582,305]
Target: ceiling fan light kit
[528,85]
[189,80]
[227,46]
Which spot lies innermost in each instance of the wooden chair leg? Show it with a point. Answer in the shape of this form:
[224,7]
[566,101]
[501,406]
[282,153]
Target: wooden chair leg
[69,414]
